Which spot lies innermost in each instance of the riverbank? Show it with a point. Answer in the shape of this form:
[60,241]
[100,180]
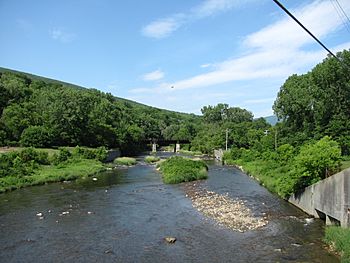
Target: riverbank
[49,174]
[270,176]
[30,166]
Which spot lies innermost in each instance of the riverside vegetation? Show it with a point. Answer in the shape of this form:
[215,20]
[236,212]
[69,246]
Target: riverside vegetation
[152,159]
[128,161]
[178,169]
[308,144]
[32,167]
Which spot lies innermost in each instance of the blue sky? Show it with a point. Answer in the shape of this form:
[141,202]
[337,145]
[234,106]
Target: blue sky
[177,55]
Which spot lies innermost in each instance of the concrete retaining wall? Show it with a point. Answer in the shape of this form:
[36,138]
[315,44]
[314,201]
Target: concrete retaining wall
[328,199]
[218,154]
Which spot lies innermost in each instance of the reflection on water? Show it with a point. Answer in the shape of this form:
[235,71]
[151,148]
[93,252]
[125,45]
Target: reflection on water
[125,215]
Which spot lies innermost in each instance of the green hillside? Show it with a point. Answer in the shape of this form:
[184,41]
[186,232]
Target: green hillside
[42,112]
[66,84]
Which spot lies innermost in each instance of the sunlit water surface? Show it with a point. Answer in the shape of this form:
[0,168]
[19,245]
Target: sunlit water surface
[125,215]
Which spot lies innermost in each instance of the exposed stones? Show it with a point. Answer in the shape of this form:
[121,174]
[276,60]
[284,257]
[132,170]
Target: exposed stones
[170,240]
[64,213]
[94,179]
[39,214]
[233,214]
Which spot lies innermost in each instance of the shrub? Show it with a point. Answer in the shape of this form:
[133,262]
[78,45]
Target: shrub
[151,159]
[179,169]
[21,163]
[63,155]
[232,154]
[285,153]
[125,161]
[35,136]
[30,154]
[88,153]
[316,161]
[249,155]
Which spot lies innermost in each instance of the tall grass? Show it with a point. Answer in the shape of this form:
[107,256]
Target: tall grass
[152,159]
[50,173]
[179,169]
[339,239]
[125,161]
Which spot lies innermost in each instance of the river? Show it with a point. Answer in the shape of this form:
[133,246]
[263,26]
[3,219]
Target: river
[125,215]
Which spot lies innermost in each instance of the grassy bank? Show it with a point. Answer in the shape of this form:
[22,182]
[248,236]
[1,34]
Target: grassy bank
[128,161]
[51,173]
[272,176]
[30,166]
[152,159]
[179,169]
[339,239]
[193,153]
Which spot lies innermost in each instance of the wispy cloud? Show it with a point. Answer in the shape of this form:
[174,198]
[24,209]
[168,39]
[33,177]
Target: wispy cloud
[270,54]
[207,65]
[275,51]
[211,7]
[161,28]
[61,35]
[154,75]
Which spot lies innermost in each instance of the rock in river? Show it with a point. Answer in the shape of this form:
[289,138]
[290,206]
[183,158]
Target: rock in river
[170,240]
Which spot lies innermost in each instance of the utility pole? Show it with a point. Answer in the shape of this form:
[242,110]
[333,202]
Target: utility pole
[226,138]
[276,139]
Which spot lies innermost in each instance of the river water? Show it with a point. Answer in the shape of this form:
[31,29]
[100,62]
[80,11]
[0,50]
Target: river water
[125,215]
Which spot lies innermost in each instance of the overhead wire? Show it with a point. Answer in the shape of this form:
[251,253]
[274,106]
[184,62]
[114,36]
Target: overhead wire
[341,13]
[341,8]
[300,24]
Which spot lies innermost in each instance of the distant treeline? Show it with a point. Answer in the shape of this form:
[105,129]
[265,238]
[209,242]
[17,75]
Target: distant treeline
[39,113]
[43,113]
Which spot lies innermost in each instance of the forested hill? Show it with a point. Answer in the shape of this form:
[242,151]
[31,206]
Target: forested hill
[42,112]
[59,82]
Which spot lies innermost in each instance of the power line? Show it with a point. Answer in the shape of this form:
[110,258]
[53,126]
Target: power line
[300,24]
[341,14]
[341,8]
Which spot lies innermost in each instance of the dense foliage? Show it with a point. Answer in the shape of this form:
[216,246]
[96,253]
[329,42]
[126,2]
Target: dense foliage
[179,169]
[30,166]
[39,113]
[317,103]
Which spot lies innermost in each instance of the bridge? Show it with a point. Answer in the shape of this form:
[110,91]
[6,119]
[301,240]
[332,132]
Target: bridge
[163,142]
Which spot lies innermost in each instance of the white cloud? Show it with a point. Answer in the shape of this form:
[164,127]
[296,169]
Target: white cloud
[205,65]
[162,28]
[270,55]
[61,35]
[154,75]
[211,7]
[318,17]
[273,52]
